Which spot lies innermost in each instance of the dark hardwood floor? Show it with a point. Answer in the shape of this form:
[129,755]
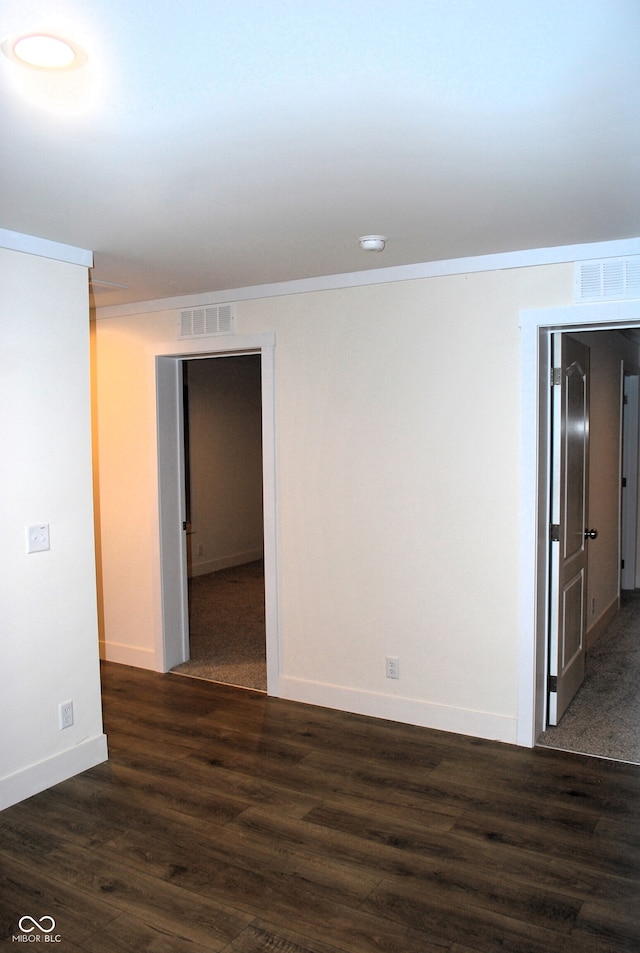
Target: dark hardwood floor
[228,821]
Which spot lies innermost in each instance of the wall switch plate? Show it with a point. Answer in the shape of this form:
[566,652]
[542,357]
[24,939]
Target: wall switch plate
[38,538]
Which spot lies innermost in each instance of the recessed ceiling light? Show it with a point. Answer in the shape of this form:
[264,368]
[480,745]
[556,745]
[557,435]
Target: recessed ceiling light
[44,51]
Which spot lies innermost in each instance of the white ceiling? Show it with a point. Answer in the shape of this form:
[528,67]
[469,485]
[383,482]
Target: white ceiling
[215,144]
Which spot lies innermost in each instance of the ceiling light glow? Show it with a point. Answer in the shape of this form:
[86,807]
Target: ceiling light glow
[44,51]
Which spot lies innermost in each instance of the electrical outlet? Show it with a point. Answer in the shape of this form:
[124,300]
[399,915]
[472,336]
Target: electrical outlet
[38,538]
[393,666]
[65,712]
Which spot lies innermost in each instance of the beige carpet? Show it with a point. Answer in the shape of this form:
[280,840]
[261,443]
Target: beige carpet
[604,717]
[227,627]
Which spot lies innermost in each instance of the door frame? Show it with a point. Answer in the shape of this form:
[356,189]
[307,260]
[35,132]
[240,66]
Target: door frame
[535,427]
[171,494]
[569,554]
[629,400]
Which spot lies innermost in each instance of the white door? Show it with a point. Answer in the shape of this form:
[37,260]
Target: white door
[569,533]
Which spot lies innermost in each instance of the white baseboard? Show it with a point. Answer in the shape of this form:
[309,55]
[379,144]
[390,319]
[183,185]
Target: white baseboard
[225,562]
[604,619]
[38,777]
[128,655]
[410,711]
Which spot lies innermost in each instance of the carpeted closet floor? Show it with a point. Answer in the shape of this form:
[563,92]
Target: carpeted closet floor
[227,627]
[604,717]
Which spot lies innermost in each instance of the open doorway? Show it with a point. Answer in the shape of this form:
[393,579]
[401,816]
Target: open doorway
[174,631]
[601,325]
[593,699]
[222,408]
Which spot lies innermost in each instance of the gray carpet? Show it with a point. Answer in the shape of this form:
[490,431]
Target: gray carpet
[227,637]
[604,717]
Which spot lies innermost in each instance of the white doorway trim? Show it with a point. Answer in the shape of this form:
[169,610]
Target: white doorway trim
[536,327]
[173,558]
[629,470]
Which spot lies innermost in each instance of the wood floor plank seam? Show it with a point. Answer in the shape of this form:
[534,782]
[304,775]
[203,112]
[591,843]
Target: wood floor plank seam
[229,823]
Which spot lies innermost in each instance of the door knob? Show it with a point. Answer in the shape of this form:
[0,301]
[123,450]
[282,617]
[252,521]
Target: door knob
[591,534]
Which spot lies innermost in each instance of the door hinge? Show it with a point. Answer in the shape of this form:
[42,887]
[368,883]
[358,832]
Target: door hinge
[552,683]
[556,376]
[622,564]
[554,532]
[184,524]
[624,482]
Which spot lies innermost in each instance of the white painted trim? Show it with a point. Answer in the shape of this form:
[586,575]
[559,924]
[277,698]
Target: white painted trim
[129,655]
[605,619]
[263,344]
[44,248]
[173,648]
[533,539]
[38,777]
[629,434]
[225,562]
[217,344]
[410,711]
[270,511]
[376,276]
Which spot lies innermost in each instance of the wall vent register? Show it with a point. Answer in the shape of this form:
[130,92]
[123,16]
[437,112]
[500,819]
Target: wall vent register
[607,280]
[208,320]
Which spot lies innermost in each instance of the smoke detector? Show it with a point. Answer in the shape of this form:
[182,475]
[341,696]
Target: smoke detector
[372,242]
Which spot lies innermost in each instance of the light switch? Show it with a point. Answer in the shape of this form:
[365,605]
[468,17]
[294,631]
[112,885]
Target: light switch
[38,538]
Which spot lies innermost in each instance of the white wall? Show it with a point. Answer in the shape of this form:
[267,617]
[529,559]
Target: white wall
[397,421]
[225,462]
[49,645]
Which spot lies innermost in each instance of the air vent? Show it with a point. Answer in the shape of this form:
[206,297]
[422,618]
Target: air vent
[607,280]
[210,319]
